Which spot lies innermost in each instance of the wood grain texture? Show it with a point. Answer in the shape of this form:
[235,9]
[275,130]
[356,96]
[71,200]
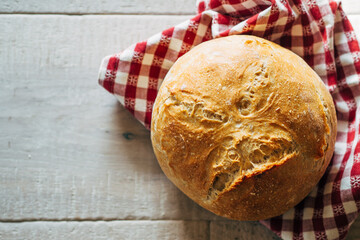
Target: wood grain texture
[69,150]
[99,6]
[119,7]
[134,230]
[235,230]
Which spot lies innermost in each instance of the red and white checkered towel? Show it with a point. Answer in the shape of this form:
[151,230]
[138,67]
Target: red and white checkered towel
[316,30]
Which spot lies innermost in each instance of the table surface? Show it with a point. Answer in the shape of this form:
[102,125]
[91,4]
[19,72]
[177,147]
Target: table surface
[73,162]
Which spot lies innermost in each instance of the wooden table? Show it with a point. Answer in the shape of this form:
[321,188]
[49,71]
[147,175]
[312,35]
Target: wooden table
[74,164]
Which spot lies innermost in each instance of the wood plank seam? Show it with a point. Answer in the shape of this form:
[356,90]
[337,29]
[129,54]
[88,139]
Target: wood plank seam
[113,220]
[96,14]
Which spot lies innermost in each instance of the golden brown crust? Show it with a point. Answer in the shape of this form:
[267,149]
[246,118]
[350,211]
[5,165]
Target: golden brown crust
[244,127]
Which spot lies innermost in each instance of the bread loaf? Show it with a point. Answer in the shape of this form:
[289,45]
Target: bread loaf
[244,127]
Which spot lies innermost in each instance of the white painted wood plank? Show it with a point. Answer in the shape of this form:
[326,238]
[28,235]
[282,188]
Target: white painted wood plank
[240,231]
[119,7]
[351,6]
[355,22]
[134,230]
[68,149]
[99,6]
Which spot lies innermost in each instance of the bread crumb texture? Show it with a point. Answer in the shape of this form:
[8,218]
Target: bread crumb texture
[244,127]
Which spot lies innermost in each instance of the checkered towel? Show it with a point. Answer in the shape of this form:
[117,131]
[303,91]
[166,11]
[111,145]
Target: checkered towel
[316,30]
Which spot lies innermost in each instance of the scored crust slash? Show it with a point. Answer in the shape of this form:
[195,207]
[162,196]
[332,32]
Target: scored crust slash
[244,127]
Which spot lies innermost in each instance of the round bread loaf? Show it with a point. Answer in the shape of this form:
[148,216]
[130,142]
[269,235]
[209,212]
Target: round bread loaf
[244,127]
